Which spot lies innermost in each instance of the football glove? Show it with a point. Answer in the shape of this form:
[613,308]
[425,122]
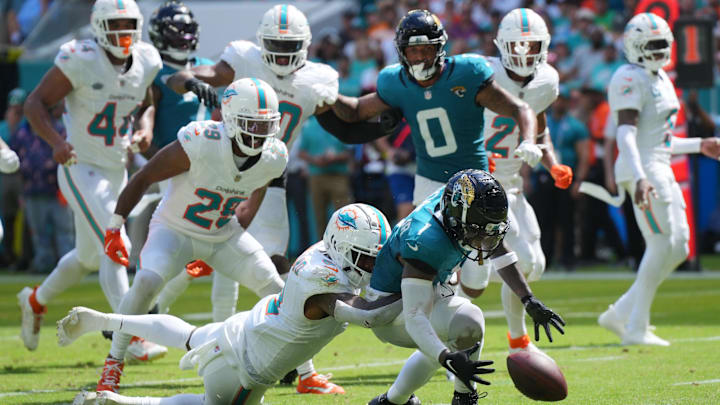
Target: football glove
[198,268]
[206,94]
[562,175]
[529,152]
[115,247]
[464,368]
[542,315]
[491,161]
[9,161]
[390,120]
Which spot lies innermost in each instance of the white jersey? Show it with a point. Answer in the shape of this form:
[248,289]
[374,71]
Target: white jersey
[102,105]
[297,98]
[276,336]
[201,202]
[653,96]
[502,134]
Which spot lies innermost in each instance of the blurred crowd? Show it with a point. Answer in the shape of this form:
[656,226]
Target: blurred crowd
[324,174]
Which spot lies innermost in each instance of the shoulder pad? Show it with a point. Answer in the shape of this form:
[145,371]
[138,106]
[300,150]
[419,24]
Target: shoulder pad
[315,73]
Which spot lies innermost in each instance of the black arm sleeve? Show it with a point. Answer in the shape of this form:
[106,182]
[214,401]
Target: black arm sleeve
[351,133]
[421,265]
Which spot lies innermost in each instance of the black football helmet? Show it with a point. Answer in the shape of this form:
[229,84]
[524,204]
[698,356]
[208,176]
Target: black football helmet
[474,209]
[420,27]
[174,31]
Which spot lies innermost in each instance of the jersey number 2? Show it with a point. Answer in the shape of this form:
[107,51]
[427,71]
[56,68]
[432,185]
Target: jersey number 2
[193,211]
[103,123]
[504,126]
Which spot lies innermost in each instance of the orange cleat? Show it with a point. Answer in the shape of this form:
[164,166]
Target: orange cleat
[110,378]
[318,384]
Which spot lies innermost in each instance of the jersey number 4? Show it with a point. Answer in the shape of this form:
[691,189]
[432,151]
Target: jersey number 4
[215,201]
[103,123]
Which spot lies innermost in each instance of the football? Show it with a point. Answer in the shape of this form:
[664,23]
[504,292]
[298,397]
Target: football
[537,376]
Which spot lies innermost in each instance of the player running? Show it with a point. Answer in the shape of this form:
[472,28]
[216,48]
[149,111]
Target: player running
[467,217]
[522,70]
[106,83]
[644,106]
[304,88]
[214,168]
[239,359]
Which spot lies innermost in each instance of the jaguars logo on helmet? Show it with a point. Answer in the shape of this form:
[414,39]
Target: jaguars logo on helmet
[421,27]
[474,208]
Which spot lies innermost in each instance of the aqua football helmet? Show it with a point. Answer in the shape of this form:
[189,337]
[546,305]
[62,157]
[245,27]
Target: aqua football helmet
[250,114]
[648,41]
[519,32]
[104,11]
[355,233]
[474,210]
[284,37]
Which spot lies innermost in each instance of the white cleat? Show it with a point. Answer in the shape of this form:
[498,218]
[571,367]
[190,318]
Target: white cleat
[644,338]
[101,398]
[79,321]
[140,350]
[612,322]
[31,322]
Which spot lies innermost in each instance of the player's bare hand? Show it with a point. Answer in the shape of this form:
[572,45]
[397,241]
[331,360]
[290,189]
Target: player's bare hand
[710,147]
[64,154]
[643,191]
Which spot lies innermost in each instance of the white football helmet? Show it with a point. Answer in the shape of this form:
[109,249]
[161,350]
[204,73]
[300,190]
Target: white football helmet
[250,114]
[517,30]
[355,230]
[284,32]
[105,10]
[648,41]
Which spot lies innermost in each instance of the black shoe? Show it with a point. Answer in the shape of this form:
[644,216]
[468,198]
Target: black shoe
[289,378]
[467,398]
[382,400]
[107,334]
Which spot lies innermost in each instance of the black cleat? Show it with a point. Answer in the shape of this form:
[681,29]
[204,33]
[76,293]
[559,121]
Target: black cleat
[382,400]
[289,378]
[467,398]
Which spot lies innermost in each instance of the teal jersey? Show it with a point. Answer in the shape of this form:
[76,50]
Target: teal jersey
[446,124]
[174,111]
[419,236]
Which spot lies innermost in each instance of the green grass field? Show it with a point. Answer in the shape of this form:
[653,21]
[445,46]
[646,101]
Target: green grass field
[597,368]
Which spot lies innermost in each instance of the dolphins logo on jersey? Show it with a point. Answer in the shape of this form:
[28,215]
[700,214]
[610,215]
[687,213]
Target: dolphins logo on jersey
[346,220]
[329,279]
[459,91]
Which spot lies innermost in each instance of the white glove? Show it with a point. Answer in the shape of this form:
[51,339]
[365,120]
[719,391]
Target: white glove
[9,161]
[326,94]
[529,152]
[135,143]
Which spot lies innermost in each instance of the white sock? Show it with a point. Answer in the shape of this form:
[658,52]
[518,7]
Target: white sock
[224,297]
[172,291]
[416,371]
[306,369]
[164,329]
[114,281]
[136,301]
[181,399]
[68,272]
[514,312]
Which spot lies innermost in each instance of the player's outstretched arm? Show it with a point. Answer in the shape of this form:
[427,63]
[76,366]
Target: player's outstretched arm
[201,80]
[350,133]
[51,90]
[541,315]
[354,309]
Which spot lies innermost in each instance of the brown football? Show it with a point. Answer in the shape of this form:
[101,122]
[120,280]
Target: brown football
[537,376]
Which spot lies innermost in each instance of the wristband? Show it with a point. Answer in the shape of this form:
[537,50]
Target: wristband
[526,298]
[116,221]
[505,260]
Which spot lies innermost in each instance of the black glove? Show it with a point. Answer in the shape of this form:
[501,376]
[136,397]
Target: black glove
[464,368]
[542,315]
[390,119]
[206,94]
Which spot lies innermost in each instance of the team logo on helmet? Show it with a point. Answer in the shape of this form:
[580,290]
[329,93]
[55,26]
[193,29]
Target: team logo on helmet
[228,94]
[346,220]
[463,192]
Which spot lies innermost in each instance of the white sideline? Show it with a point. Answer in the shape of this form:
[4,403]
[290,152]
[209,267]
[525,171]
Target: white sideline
[376,364]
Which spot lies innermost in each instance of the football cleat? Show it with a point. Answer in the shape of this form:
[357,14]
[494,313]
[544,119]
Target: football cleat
[524,343]
[140,350]
[110,378]
[612,322]
[79,321]
[318,384]
[644,338]
[383,400]
[467,398]
[32,317]
[102,398]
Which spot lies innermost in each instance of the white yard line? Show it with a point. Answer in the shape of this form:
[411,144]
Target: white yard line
[713,381]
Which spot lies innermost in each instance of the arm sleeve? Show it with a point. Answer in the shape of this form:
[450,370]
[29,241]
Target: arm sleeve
[627,146]
[685,145]
[352,133]
[367,318]
[417,300]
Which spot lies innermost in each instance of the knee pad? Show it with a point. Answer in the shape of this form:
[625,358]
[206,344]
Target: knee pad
[467,327]
[475,276]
